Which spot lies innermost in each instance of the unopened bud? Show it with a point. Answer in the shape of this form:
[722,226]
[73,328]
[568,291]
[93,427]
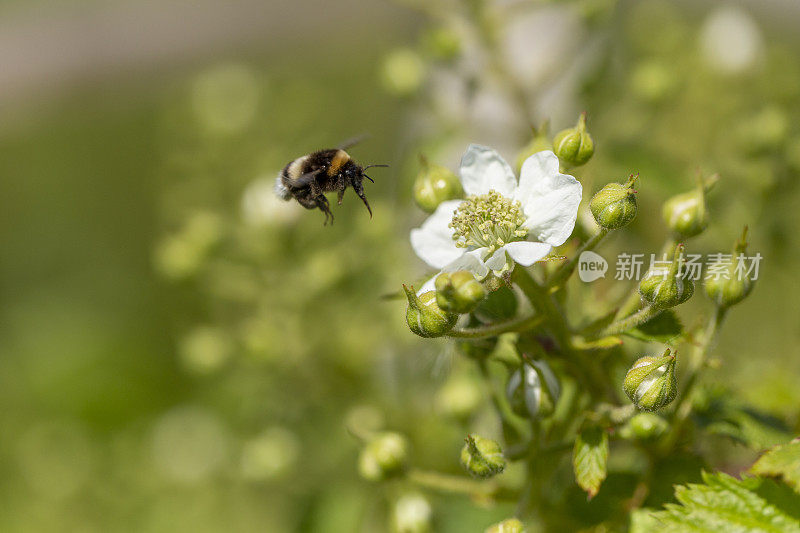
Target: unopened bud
[730,285]
[412,513]
[435,184]
[482,458]
[458,292]
[651,382]
[574,145]
[614,206]
[664,287]
[539,143]
[384,456]
[644,426]
[533,391]
[424,317]
[685,214]
[510,525]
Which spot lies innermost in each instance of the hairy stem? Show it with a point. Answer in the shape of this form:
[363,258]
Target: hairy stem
[492,330]
[636,319]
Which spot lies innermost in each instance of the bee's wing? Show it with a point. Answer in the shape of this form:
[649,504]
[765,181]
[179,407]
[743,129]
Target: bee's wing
[349,143]
[304,180]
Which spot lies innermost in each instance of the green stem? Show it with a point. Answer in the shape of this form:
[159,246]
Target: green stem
[636,319]
[493,330]
[683,405]
[450,483]
[562,274]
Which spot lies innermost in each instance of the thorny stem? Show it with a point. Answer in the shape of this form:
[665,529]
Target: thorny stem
[493,330]
[562,274]
[636,319]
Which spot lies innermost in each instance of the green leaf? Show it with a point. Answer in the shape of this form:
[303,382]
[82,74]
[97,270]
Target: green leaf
[727,504]
[664,328]
[590,459]
[781,462]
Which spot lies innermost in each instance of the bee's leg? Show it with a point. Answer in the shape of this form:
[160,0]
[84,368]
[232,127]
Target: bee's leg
[341,194]
[325,207]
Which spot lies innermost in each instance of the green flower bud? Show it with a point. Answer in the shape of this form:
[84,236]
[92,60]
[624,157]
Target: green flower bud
[442,43]
[651,382]
[459,397]
[533,391]
[384,456]
[685,214]
[664,287]
[403,72]
[730,287]
[412,513]
[483,458]
[510,525]
[424,317]
[614,206]
[539,143]
[574,145]
[435,184]
[644,426]
[458,292]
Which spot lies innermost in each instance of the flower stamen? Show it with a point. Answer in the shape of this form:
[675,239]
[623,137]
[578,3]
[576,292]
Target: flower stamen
[488,220]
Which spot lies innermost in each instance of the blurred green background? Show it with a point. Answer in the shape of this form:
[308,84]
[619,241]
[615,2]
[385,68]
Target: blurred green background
[179,351]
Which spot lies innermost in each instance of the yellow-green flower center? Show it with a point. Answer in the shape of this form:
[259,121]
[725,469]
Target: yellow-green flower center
[489,220]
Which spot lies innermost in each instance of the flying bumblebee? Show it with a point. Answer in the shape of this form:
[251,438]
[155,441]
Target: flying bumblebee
[308,178]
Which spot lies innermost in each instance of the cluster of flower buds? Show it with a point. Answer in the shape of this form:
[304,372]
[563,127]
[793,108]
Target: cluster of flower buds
[686,214]
[665,287]
[384,456]
[510,525]
[533,390]
[730,286]
[482,458]
[574,146]
[614,206]
[458,292]
[651,383]
[425,317]
[435,184]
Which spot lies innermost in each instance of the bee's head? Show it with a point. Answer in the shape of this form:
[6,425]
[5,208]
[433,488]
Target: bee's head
[355,177]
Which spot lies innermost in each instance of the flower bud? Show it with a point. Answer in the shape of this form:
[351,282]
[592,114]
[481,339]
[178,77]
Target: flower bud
[533,391]
[644,426]
[731,286]
[424,317]
[412,513]
[458,292]
[483,458]
[651,382]
[574,145]
[442,43]
[384,456]
[539,143]
[664,287]
[614,206]
[510,525]
[403,72]
[435,184]
[685,214]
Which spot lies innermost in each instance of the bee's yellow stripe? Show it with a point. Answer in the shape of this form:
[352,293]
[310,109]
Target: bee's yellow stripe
[339,159]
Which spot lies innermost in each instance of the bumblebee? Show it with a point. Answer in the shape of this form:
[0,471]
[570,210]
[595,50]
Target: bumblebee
[308,178]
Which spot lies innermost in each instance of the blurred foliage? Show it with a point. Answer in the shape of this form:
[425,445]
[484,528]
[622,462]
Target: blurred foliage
[181,352]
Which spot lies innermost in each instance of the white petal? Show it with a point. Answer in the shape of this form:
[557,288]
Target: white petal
[428,286]
[550,199]
[471,262]
[482,170]
[433,241]
[498,259]
[527,253]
